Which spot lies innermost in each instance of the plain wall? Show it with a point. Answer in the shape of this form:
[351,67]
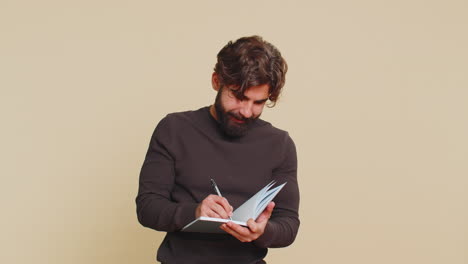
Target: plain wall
[375,100]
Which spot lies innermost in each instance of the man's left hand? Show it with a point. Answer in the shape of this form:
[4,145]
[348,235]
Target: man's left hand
[255,228]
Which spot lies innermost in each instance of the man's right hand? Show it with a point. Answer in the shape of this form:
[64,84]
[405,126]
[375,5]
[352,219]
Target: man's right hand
[214,206]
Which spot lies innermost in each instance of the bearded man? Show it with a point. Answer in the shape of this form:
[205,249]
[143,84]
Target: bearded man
[229,143]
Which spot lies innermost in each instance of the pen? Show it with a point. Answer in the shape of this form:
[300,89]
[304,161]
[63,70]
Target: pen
[215,187]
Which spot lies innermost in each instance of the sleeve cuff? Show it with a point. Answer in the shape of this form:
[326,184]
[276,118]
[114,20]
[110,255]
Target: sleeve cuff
[185,213]
[265,239]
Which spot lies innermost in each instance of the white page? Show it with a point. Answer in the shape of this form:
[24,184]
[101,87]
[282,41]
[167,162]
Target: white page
[247,210]
[267,199]
[209,225]
[252,208]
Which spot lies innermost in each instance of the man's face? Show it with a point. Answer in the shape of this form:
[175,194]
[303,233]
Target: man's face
[236,113]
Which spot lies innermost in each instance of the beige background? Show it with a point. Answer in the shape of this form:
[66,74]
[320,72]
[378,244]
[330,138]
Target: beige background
[376,101]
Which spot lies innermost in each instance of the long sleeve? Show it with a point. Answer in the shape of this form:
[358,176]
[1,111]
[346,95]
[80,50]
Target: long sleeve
[185,151]
[282,228]
[155,209]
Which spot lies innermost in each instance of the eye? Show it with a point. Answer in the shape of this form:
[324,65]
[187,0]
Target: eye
[232,93]
[235,94]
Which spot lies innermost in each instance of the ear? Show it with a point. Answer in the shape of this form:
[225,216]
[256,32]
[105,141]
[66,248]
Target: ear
[215,81]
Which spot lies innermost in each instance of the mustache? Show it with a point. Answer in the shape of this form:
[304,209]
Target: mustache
[239,117]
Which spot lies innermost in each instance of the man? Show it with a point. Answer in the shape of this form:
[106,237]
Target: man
[242,153]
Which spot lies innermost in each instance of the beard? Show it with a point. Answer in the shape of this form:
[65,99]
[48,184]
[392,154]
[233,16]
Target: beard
[230,127]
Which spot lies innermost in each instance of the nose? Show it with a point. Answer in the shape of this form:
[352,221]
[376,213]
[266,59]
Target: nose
[246,109]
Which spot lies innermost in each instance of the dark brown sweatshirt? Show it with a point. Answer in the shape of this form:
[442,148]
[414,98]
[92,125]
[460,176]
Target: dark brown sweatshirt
[188,149]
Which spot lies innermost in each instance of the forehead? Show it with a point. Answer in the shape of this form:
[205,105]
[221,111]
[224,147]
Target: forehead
[259,92]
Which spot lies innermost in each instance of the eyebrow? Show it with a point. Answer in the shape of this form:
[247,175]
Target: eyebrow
[261,101]
[243,97]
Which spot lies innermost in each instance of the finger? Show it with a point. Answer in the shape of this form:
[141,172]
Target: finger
[266,214]
[213,214]
[224,203]
[212,203]
[271,205]
[207,210]
[227,207]
[253,226]
[231,232]
[235,233]
[242,231]
[218,209]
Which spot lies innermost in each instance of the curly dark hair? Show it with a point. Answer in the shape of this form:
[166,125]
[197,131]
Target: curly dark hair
[251,61]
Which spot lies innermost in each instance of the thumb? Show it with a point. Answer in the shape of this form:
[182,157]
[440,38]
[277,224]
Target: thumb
[265,215]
